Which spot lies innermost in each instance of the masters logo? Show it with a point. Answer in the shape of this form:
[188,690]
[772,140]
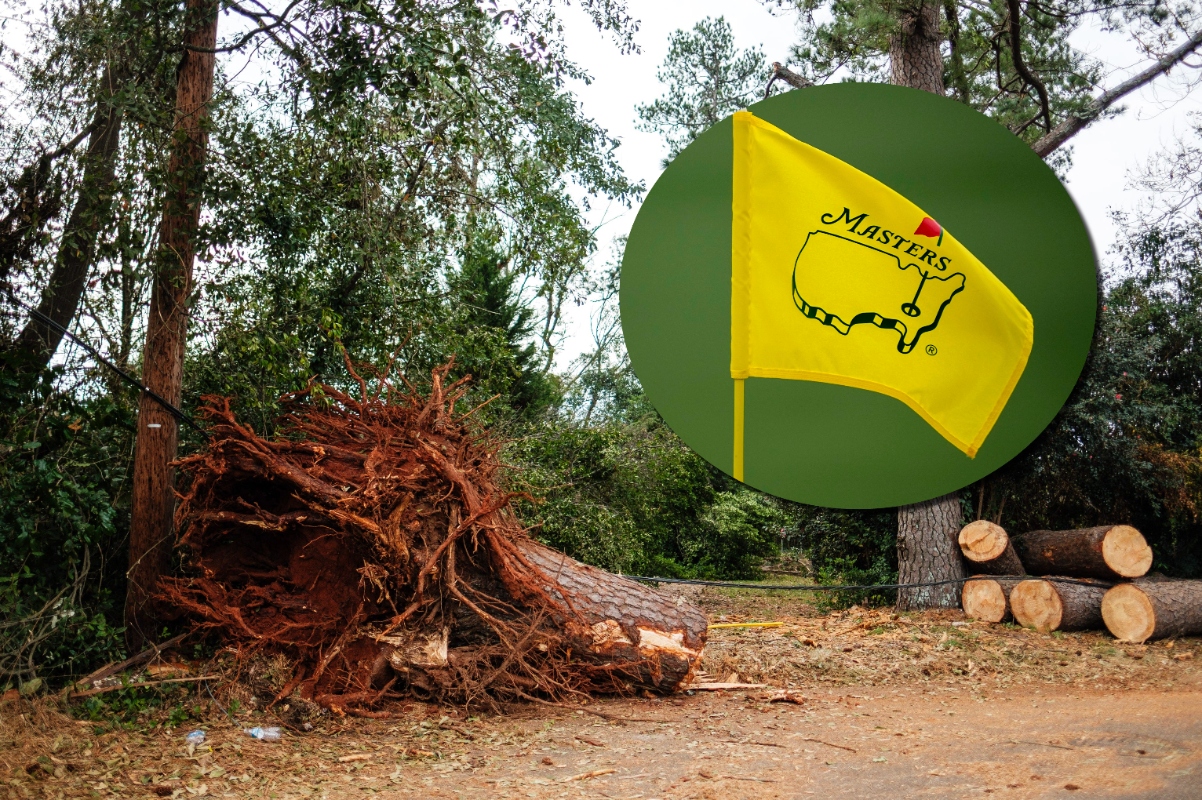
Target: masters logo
[842,282]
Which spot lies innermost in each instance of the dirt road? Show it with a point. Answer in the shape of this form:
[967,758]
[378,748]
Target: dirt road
[883,705]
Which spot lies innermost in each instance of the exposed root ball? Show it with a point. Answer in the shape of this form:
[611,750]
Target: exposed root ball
[369,542]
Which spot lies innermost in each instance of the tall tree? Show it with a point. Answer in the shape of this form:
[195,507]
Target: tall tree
[90,215]
[927,548]
[163,357]
[1024,72]
[489,303]
[707,78]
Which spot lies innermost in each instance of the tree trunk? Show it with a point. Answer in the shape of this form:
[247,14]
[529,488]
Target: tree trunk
[927,552]
[926,532]
[630,622]
[1108,552]
[988,549]
[914,49]
[987,598]
[163,359]
[1053,606]
[77,250]
[1147,609]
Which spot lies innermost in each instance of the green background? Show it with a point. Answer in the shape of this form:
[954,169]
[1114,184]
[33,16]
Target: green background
[832,445]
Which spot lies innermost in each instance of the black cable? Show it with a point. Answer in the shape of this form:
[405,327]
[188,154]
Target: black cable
[130,379]
[804,588]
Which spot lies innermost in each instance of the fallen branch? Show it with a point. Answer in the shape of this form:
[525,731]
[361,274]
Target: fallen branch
[140,685]
[828,744]
[133,661]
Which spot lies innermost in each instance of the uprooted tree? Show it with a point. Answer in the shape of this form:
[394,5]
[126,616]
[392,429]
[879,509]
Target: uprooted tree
[370,541]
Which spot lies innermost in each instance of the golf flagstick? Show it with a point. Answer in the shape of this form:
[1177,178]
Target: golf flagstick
[738,465]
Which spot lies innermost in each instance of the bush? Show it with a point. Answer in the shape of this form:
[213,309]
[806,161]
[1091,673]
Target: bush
[64,458]
[629,496]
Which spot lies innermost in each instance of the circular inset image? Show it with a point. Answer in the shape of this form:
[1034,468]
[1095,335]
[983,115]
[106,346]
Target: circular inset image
[858,295]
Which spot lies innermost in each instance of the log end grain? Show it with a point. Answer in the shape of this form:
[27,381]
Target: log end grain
[983,541]
[1125,551]
[984,599]
[1036,604]
[1128,613]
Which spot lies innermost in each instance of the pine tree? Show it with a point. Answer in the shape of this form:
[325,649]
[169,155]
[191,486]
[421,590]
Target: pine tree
[489,301]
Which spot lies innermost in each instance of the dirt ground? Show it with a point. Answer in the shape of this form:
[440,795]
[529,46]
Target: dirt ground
[861,703]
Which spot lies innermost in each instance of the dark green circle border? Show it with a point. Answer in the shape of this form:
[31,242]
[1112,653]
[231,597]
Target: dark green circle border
[832,445]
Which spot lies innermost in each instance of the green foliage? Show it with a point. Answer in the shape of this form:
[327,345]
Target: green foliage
[140,708]
[851,547]
[64,462]
[707,79]
[495,326]
[628,495]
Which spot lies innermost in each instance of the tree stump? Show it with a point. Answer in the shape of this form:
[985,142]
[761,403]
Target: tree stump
[988,549]
[1050,606]
[986,598]
[1147,609]
[1108,552]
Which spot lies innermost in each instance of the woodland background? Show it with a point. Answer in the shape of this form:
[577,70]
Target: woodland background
[412,181]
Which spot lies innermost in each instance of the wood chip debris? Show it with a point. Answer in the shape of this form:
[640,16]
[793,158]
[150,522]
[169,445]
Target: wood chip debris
[585,776]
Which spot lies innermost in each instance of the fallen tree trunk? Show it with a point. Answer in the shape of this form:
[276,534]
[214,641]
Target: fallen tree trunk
[371,542]
[1153,609]
[1108,552]
[987,598]
[1048,606]
[988,550]
[627,621]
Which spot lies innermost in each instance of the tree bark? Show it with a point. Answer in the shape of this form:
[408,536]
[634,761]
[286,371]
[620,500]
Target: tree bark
[1052,606]
[988,549]
[630,622]
[1109,552]
[163,359]
[988,598]
[1153,609]
[77,250]
[915,58]
[927,551]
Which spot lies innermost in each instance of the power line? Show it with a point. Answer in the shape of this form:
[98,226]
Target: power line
[796,587]
[130,379]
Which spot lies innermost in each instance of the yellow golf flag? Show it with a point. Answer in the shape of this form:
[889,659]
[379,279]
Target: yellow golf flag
[837,278]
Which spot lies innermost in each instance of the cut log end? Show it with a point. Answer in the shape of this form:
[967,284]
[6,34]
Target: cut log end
[984,599]
[1036,604]
[1126,551]
[983,541]
[1128,613]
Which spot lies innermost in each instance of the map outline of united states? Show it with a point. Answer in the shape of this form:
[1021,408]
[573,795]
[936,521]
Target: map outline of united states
[907,306]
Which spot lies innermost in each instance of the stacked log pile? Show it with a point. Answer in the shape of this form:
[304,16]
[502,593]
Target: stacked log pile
[371,542]
[1075,580]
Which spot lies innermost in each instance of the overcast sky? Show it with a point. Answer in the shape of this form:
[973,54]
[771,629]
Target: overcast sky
[1104,154]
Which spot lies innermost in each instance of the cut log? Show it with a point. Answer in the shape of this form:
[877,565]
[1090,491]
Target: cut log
[1055,606]
[988,550]
[1108,552]
[1147,609]
[986,598]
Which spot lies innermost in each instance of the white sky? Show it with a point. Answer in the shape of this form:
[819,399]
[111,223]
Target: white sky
[1104,154]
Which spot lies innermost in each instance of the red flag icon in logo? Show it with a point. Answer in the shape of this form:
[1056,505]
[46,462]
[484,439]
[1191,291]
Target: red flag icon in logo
[929,227]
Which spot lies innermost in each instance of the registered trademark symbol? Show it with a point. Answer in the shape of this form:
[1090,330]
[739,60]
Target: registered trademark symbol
[932,349]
